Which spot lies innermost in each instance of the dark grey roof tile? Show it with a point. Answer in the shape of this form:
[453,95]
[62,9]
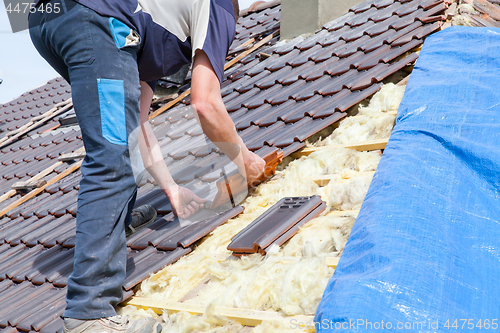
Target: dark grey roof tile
[283,61]
[315,72]
[264,97]
[278,219]
[259,139]
[55,326]
[385,13]
[361,18]
[20,229]
[311,88]
[40,234]
[22,297]
[246,120]
[187,235]
[349,100]
[29,309]
[372,58]
[293,148]
[305,56]
[400,50]
[328,51]
[238,102]
[344,65]
[361,7]
[272,116]
[296,74]
[151,264]
[45,316]
[273,78]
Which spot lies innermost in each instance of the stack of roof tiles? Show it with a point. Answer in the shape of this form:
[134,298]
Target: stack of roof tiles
[277,96]
[484,14]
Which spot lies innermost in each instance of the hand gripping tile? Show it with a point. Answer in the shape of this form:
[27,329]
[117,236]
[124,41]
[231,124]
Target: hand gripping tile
[235,183]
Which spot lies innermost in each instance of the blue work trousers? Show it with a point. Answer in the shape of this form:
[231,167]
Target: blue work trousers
[89,51]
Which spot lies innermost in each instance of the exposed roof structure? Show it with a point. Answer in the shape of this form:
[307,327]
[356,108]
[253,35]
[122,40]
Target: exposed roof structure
[478,13]
[278,96]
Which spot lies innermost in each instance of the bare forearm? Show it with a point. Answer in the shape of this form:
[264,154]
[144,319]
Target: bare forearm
[212,114]
[153,159]
[149,147]
[184,202]
[216,122]
[219,128]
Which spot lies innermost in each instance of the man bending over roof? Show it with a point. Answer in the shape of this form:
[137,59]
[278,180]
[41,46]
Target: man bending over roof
[112,52]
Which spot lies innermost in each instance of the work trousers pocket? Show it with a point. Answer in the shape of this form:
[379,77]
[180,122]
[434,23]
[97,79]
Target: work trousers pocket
[112,107]
[123,35]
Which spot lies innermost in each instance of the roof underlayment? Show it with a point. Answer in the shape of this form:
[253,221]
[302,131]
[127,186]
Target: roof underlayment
[278,96]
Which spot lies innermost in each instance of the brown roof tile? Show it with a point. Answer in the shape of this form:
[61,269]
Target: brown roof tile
[274,223]
[20,298]
[55,326]
[30,308]
[184,237]
[143,268]
[46,265]
[43,317]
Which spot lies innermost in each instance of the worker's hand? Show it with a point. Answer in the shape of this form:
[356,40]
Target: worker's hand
[254,168]
[184,202]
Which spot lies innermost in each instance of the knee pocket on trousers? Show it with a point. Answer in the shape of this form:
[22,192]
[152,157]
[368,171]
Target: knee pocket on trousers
[112,109]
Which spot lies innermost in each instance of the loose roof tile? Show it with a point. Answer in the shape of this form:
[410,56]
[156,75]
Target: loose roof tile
[273,226]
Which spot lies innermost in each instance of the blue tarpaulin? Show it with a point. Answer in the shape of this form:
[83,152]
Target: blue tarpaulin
[424,253]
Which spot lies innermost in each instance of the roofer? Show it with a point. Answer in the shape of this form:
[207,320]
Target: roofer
[111,52]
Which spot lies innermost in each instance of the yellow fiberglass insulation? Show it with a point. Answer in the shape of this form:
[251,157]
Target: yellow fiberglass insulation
[282,327]
[183,322]
[386,99]
[348,194]
[134,313]
[326,234]
[372,122]
[362,128]
[339,161]
[290,279]
[287,284]
[173,284]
